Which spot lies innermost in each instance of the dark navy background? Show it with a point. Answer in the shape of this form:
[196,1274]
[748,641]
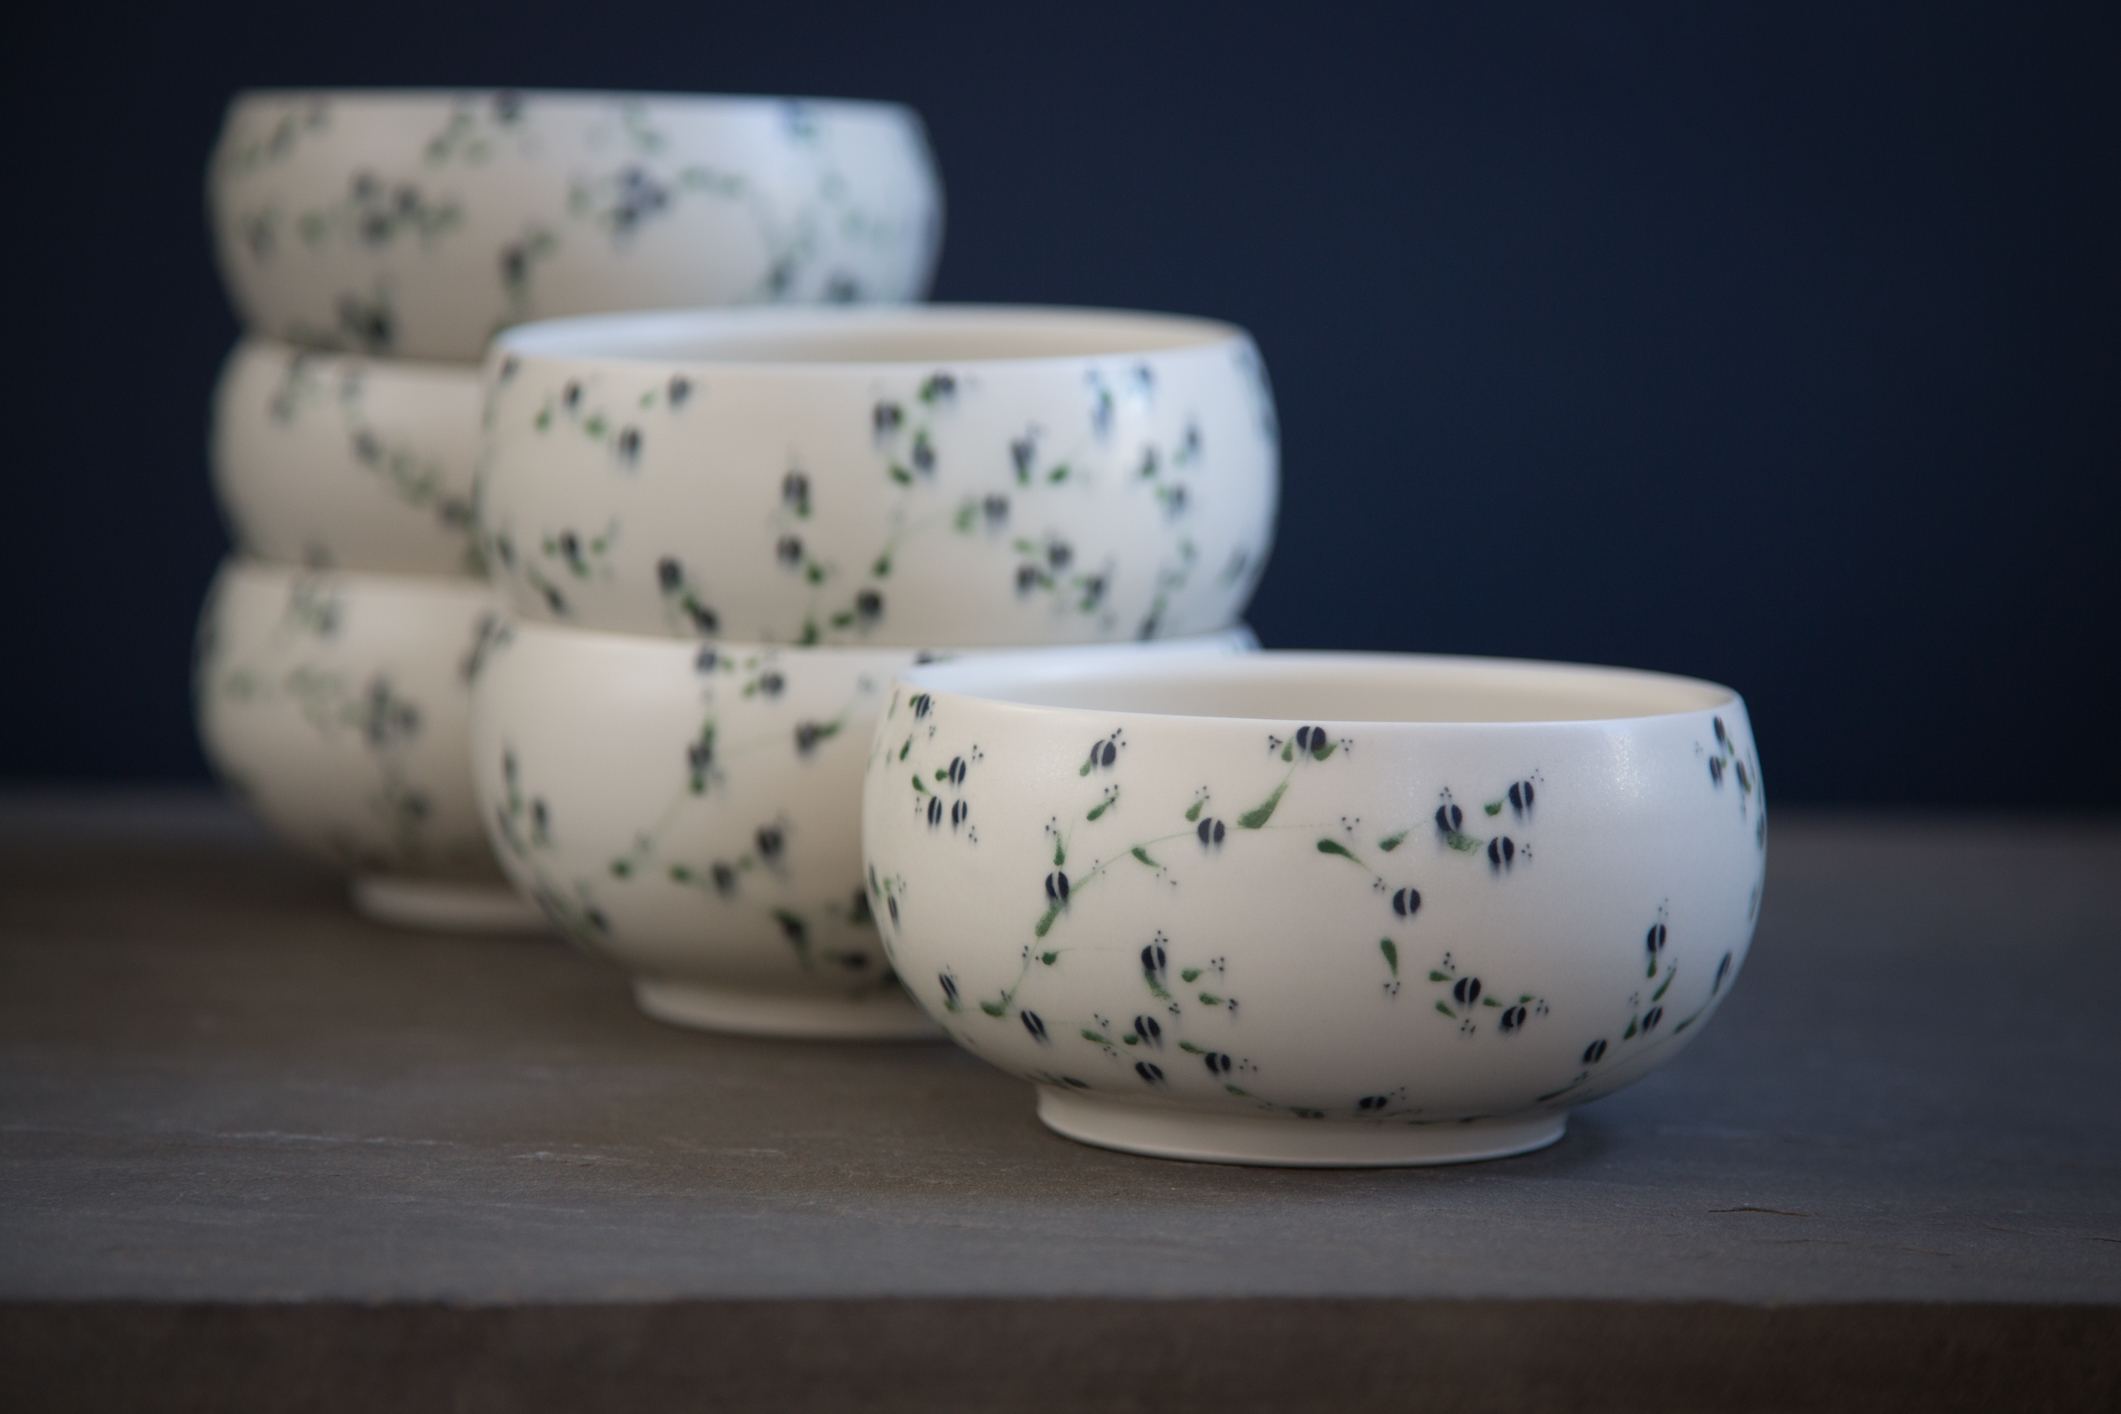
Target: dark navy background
[1771,343]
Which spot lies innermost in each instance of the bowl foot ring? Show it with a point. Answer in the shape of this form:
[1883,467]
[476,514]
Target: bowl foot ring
[880,1016]
[1281,1141]
[446,905]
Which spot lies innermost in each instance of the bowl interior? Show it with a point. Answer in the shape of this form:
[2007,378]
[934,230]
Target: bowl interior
[925,335]
[1337,687]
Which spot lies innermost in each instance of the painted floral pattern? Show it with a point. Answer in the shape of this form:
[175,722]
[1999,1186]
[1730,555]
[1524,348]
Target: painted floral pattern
[417,225]
[734,863]
[339,462]
[1188,917]
[692,810]
[336,706]
[1108,501]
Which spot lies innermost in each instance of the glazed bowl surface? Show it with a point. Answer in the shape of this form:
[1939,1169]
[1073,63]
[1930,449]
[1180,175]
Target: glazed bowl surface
[948,476]
[693,813]
[347,462]
[416,223]
[337,706]
[1320,909]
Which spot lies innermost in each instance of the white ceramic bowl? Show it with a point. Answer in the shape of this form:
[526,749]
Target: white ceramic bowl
[337,706]
[1324,909]
[418,222]
[693,812]
[953,476]
[355,463]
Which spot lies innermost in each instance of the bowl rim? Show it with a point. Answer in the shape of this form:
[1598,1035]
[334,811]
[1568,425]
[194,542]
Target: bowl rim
[975,680]
[253,573]
[258,346]
[598,341]
[1239,634]
[409,94]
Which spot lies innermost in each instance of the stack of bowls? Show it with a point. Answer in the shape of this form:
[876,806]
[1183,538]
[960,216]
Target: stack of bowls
[373,243]
[721,533]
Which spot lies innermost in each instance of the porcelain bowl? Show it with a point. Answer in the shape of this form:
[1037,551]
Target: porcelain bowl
[1315,909]
[337,706]
[693,812]
[951,476]
[416,223]
[337,460]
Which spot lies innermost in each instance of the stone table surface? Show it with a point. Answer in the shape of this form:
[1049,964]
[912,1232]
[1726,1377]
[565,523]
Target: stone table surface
[218,1084]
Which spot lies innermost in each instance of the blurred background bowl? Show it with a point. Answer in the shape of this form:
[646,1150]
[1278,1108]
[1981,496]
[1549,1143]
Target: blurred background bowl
[417,223]
[337,706]
[693,812]
[1315,909]
[953,476]
[344,461]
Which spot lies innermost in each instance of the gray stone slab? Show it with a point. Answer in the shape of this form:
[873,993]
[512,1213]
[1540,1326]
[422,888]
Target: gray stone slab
[218,1084]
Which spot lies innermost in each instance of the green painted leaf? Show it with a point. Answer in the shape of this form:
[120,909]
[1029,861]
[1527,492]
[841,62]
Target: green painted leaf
[1253,819]
[1446,1010]
[1652,971]
[1320,753]
[1143,855]
[1243,1094]
[1191,974]
[1665,986]
[1194,813]
[1085,770]
[1206,1000]
[1049,958]
[906,748]
[1629,1034]
[1464,844]
[882,568]
[1288,751]
[1046,921]
[899,474]
[1391,951]
[1130,1039]
[1489,1001]
[1102,806]
[1493,807]
[1392,842]
[1060,854]
[1058,474]
[1435,976]
[994,1008]
[1190,1049]
[1336,847]
[942,773]
[1094,1038]
[920,787]
[620,868]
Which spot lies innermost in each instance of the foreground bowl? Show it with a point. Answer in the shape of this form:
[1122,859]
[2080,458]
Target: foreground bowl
[417,223]
[694,814]
[944,477]
[355,463]
[337,706]
[1323,909]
